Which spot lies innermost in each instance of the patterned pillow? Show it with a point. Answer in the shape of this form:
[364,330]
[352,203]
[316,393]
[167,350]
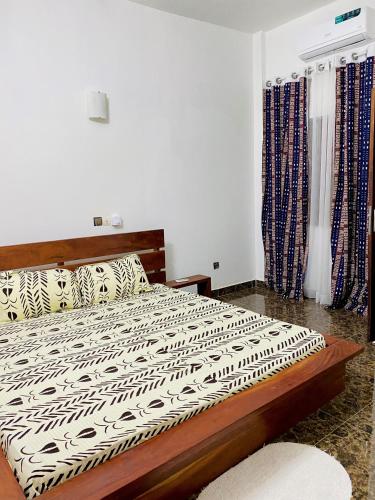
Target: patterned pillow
[29,294]
[106,281]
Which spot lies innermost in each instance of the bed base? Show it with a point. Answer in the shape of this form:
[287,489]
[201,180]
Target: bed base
[185,458]
[182,460]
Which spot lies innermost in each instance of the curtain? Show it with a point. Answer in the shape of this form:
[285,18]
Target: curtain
[350,186]
[285,188]
[322,133]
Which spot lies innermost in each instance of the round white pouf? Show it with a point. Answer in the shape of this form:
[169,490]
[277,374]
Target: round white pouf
[283,471]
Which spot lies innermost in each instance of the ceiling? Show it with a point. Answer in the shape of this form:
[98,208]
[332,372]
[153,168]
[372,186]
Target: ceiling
[244,15]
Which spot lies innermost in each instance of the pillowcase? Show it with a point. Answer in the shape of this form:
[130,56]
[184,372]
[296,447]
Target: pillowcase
[29,294]
[106,281]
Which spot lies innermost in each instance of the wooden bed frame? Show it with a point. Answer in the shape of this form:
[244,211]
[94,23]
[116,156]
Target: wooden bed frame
[185,458]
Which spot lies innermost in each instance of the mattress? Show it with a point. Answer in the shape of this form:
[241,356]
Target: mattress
[79,387]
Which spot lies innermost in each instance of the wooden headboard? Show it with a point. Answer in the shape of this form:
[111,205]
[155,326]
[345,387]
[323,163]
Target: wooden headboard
[69,254]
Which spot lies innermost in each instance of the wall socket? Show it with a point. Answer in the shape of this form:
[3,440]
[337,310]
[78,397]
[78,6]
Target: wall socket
[102,221]
[98,221]
[216,265]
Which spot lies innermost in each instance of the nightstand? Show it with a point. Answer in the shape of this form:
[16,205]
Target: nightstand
[203,283]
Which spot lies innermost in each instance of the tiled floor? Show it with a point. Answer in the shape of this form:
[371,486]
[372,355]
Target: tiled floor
[343,428]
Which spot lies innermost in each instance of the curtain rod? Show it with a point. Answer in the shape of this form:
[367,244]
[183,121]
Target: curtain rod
[334,60]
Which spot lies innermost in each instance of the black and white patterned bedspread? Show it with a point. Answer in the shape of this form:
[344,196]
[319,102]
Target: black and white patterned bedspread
[79,387]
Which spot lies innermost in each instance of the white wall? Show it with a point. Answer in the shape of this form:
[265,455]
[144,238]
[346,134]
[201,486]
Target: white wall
[175,153]
[275,53]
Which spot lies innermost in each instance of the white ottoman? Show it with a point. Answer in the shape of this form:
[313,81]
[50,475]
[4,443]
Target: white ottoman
[283,471]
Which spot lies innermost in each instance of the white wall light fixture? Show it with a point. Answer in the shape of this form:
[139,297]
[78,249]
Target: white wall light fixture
[97,105]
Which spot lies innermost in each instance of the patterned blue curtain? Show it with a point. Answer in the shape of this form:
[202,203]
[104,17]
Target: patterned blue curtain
[349,240]
[285,187]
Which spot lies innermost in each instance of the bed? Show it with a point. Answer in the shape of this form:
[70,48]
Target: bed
[151,396]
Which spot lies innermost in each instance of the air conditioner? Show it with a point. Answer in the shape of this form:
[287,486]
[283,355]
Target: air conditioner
[347,29]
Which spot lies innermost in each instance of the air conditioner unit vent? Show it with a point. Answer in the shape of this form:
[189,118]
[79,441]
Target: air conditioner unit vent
[332,37]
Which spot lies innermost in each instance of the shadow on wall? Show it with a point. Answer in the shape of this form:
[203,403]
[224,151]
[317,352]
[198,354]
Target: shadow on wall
[170,261]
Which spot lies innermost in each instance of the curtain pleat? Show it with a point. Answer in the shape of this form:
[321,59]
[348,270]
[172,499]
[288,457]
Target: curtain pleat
[322,134]
[285,188]
[349,242]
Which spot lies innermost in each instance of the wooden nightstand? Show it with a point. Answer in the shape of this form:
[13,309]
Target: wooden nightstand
[203,283]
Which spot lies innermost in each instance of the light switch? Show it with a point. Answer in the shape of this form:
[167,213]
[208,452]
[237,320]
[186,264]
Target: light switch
[114,220]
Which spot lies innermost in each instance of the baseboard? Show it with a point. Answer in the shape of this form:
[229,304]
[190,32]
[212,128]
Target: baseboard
[260,283]
[233,288]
